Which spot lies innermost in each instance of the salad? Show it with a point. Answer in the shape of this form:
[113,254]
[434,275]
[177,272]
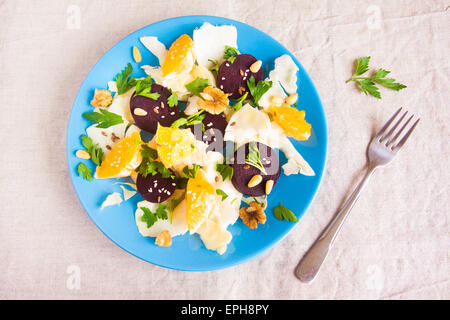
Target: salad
[198,137]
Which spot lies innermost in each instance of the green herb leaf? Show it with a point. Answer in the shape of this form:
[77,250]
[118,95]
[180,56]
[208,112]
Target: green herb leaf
[257,90]
[123,80]
[362,65]
[148,152]
[94,151]
[150,218]
[182,183]
[190,172]
[153,167]
[215,67]
[239,102]
[253,157]
[368,84]
[84,172]
[172,100]
[225,170]
[282,212]
[189,121]
[230,53]
[222,194]
[104,118]
[144,88]
[197,86]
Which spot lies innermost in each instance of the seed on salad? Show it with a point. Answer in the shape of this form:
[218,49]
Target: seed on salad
[269,186]
[140,112]
[256,66]
[292,98]
[206,96]
[155,110]
[82,154]
[254,181]
[246,167]
[136,54]
[276,100]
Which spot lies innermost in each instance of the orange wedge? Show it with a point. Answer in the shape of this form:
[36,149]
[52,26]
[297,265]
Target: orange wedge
[292,121]
[122,159]
[173,144]
[200,196]
[177,58]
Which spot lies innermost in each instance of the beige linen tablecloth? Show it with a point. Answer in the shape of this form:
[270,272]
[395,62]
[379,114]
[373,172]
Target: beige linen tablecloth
[395,245]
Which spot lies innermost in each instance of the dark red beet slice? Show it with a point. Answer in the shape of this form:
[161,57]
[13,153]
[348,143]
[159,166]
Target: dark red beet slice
[214,125]
[232,76]
[155,188]
[243,172]
[157,110]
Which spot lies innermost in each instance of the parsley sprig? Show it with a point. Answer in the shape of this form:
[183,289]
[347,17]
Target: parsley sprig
[253,157]
[196,87]
[222,193]
[150,166]
[84,171]
[123,80]
[144,88]
[258,89]
[368,84]
[150,217]
[225,170]
[190,172]
[94,151]
[189,121]
[172,100]
[103,118]
[239,102]
[282,212]
[230,53]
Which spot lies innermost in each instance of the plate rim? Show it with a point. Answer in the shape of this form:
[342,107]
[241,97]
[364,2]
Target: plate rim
[257,252]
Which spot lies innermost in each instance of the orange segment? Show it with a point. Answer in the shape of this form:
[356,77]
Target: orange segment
[122,159]
[176,59]
[200,196]
[292,121]
[173,144]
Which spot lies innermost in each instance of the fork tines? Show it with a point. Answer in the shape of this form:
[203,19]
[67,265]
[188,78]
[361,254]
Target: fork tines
[391,142]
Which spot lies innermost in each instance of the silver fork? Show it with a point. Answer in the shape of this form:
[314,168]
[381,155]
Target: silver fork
[382,150]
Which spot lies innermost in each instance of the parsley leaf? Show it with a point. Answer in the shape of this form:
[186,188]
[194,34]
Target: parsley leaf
[197,86]
[150,218]
[230,53]
[225,170]
[84,172]
[172,100]
[253,157]
[282,212]
[190,173]
[149,166]
[148,152]
[144,88]
[257,90]
[104,118]
[123,80]
[222,194]
[189,121]
[94,151]
[368,84]
[215,67]
[239,102]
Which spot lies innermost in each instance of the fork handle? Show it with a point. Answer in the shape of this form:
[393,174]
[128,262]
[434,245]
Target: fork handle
[311,262]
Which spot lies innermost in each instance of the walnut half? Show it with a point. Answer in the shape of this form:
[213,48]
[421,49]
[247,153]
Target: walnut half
[102,98]
[252,215]
[213,100]
[164,239]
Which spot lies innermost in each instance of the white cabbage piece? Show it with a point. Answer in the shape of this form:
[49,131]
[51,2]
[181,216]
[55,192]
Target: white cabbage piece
[111,200]
[156,47]
[210,42]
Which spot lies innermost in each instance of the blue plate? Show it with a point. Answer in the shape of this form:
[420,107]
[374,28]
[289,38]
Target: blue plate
[188,252]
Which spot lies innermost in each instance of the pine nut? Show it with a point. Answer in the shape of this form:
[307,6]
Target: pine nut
[256,66]
[269,186]
[254,181]
[82,154]
[136,55]
[276,100]
[292,99]
[140,112]
[206,96]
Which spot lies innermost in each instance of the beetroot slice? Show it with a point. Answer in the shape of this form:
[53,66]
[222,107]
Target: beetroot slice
[243,172]
[232,76]
[155,188]
[157,110]
[214,125]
